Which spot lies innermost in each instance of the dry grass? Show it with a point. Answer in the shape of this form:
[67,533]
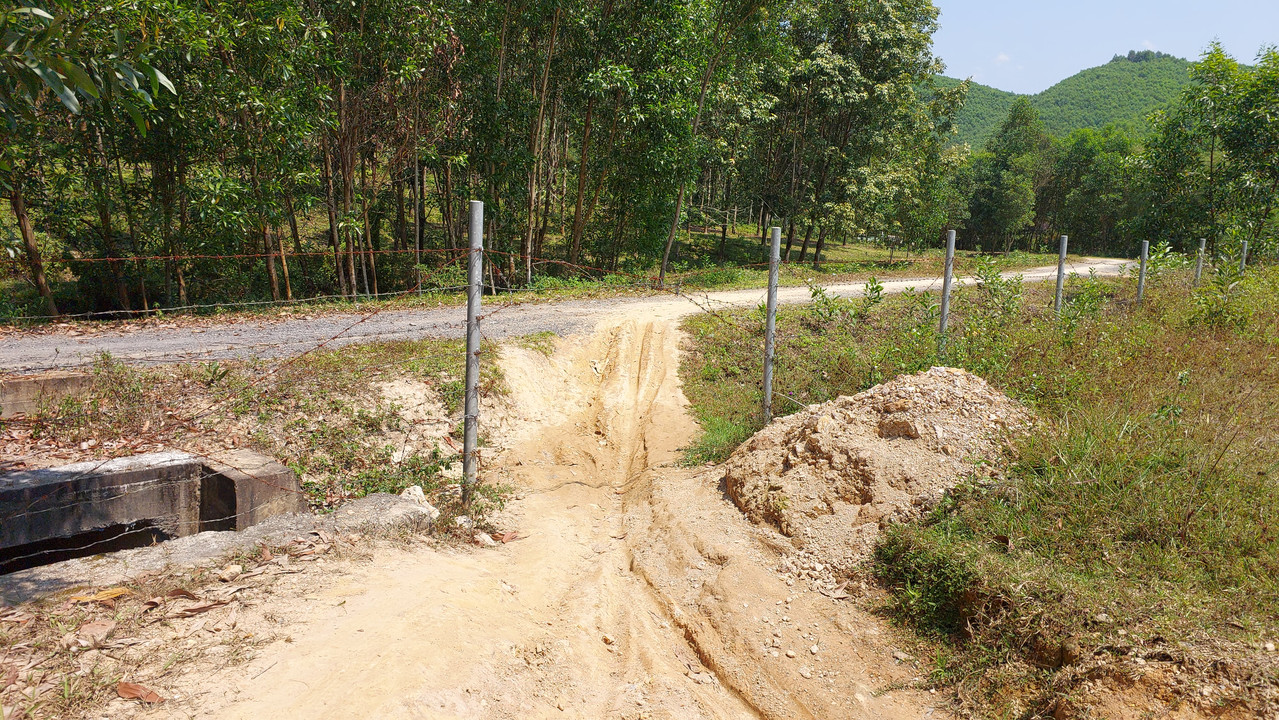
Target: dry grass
[321,414]
[1148,500]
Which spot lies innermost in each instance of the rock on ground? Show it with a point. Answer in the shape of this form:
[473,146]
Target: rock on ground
[833,475]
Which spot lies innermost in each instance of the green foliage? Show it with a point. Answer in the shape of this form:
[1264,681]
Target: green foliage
[1220,303]
[315,148]
[1121,93]
[827,309]
[1005,177]
[930,580]
[1206,169]
[1146,492]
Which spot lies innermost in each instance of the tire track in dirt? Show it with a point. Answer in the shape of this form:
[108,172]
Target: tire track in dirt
[639,591]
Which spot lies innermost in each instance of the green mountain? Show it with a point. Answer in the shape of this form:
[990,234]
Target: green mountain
[1123,91]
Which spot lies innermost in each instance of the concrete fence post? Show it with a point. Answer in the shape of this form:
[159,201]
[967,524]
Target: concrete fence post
[947,278]
[1243,256]
[770,324]
[1199,261]
[1061,273]
[474,292]
[1141,276]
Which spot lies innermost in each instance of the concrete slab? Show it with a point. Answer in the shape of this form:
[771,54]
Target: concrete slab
[26,395]
[88,508]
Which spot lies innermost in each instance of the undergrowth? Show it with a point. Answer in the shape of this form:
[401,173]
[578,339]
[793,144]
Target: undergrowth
[321,414]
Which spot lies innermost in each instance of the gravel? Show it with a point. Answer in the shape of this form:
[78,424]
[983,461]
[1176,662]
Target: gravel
[276,337]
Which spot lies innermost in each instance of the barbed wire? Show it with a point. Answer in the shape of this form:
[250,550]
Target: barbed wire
[216,465]
[361,296]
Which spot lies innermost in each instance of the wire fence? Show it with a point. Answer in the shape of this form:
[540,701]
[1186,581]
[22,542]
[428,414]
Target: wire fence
[702,299]
[421,274]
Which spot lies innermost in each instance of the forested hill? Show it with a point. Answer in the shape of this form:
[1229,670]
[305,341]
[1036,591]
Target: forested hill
[1122,91]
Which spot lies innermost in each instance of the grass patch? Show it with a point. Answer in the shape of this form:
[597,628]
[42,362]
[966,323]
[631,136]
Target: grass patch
[322,414]
[1148,498]
[744,264]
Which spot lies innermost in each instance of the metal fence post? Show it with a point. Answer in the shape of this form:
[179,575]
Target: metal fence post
[945,290]
[770,325]
[1199,261]
[474,291]
[1243,256]
[1061,274]
[1141,277]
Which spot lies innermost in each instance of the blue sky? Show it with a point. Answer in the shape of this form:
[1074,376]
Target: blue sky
[1027,46]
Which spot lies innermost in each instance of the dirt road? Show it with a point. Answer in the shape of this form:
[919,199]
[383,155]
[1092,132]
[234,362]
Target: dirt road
[639,591]
[24,353]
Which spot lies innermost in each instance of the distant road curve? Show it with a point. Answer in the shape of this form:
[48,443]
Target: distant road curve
[282,337]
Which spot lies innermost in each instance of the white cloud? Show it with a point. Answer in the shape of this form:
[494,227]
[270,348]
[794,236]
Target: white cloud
[1148,45]
[1002,58]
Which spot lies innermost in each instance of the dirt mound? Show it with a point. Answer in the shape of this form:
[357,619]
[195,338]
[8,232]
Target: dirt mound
[832,475]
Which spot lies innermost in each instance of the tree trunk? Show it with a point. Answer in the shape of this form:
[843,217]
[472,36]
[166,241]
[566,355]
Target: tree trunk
[579,221]
[133,234]
[821,243]
[535,144]
[330,202]
[368,225]
[297,240]
[808,235]
[104,219]
[401,231]
[269,248]
[183,212]
[284,263]
[19,205]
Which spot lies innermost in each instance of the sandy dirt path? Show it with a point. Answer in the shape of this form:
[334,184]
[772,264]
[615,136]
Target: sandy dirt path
[639,591]
[52,348]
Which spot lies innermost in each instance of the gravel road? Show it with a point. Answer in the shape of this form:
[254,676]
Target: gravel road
[22,354]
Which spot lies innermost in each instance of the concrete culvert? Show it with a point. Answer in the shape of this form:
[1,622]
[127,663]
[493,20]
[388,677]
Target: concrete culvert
[831,476]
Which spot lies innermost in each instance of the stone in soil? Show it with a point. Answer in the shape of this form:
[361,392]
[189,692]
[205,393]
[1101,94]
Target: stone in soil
[833,475]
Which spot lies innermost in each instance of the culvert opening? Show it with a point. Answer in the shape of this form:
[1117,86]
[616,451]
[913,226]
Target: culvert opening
[217,503]
[86,544]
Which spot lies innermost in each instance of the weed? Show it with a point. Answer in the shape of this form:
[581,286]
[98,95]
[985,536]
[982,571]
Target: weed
[1147,493]
[542,342]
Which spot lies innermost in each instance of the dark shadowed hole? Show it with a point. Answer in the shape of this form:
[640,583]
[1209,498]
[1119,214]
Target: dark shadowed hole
[86,544]
[217,503]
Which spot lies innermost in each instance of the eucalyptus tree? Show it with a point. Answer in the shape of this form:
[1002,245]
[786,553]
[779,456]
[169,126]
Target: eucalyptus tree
[47,52]
[854,100]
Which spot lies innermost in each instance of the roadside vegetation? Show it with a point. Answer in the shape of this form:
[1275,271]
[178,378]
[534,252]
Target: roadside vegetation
[162,155]
[1138,521]
[324,414]
[708,261]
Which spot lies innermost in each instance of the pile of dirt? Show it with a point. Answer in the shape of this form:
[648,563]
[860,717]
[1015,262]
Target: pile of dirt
[833,475]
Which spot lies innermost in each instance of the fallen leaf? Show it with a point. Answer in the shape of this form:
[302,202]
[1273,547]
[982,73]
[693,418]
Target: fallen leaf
[95,632]
[180,593]
[110,594]
[197,609]
[510,537]
[17,616]
[8,675]
[134,691]
[266,554]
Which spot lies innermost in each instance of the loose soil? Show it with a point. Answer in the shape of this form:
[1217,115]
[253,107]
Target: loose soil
[627,586]
[633,589]
[832,475]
